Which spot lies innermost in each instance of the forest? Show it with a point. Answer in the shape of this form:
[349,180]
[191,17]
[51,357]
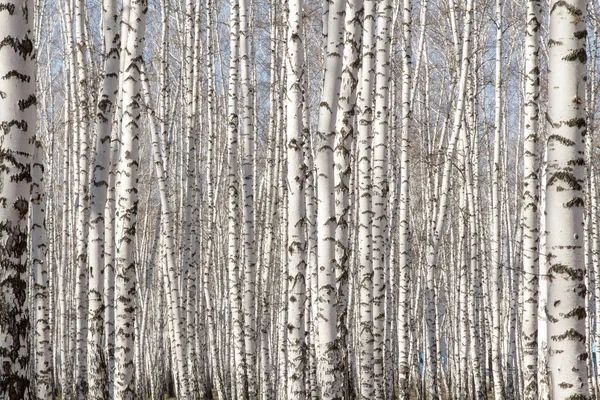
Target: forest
[299,199]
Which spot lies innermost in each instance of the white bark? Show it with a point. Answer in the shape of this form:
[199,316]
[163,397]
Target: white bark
[531,199]
[127,204]
[327,349]
[97,369]
[567,353]
[496,243]
[364,152]
[404,228]
[17,118]
[43,360]
[249,257]
[234,279]
[296,246]
[380,188]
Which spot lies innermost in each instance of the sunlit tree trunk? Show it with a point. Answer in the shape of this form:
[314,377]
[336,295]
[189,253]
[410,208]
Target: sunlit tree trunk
[249,255]
[296,246]
[567,353]
[97,367]
[127,204]
[403,221]
[531,199]
[18,119]
[82,204]
[43,360]
[326,313]
[345,122]
[496,243]
[380,189]
[234,279]
[364,152]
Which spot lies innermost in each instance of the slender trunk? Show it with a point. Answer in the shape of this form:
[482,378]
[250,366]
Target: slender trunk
[43,362]
[126,206]
[496,244]
[343,141]
[404,227]
[380,189]
[365,216]
[296,245]
[327,347]
[97,369]
[531,199]
[567,353]
[249,258]
[235,285]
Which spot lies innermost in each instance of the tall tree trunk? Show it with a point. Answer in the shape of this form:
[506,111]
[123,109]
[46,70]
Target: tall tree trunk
[17,116]
[249,257]
[327,348]
[97,367]
[235,284]
[531,199]
[127,205]
[296,246]
[43,358]
[364,153]
[496,242]
[567,353]
[345,122]
[380,189]
[404,227]
[83,212]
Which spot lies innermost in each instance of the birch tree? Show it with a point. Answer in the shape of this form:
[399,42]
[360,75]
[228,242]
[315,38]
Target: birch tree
[380,189]
[17,113]
[567,353]
[327,349]
[127,201]
[403,230]
[43,362]
[97,368]
[296,247]
[531,198]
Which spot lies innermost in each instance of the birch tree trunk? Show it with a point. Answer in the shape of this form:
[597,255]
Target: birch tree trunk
[496,242]
[43,360]
[97,366]
[531,199]
[18,120]
[235,285]
[83,212]
[403,229]
[249,257]
[345,122]
[380,189]
[127,202]
[567,353]
[296,246]
[327,348]
[364,152]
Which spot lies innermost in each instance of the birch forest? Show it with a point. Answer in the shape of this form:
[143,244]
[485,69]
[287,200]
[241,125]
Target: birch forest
[299,199]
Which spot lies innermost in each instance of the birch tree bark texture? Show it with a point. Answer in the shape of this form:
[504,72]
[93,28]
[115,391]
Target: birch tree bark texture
[126,208]
[567,353]
[327,348]
[531,199]
[296,246]
[17,119]
[97,366]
